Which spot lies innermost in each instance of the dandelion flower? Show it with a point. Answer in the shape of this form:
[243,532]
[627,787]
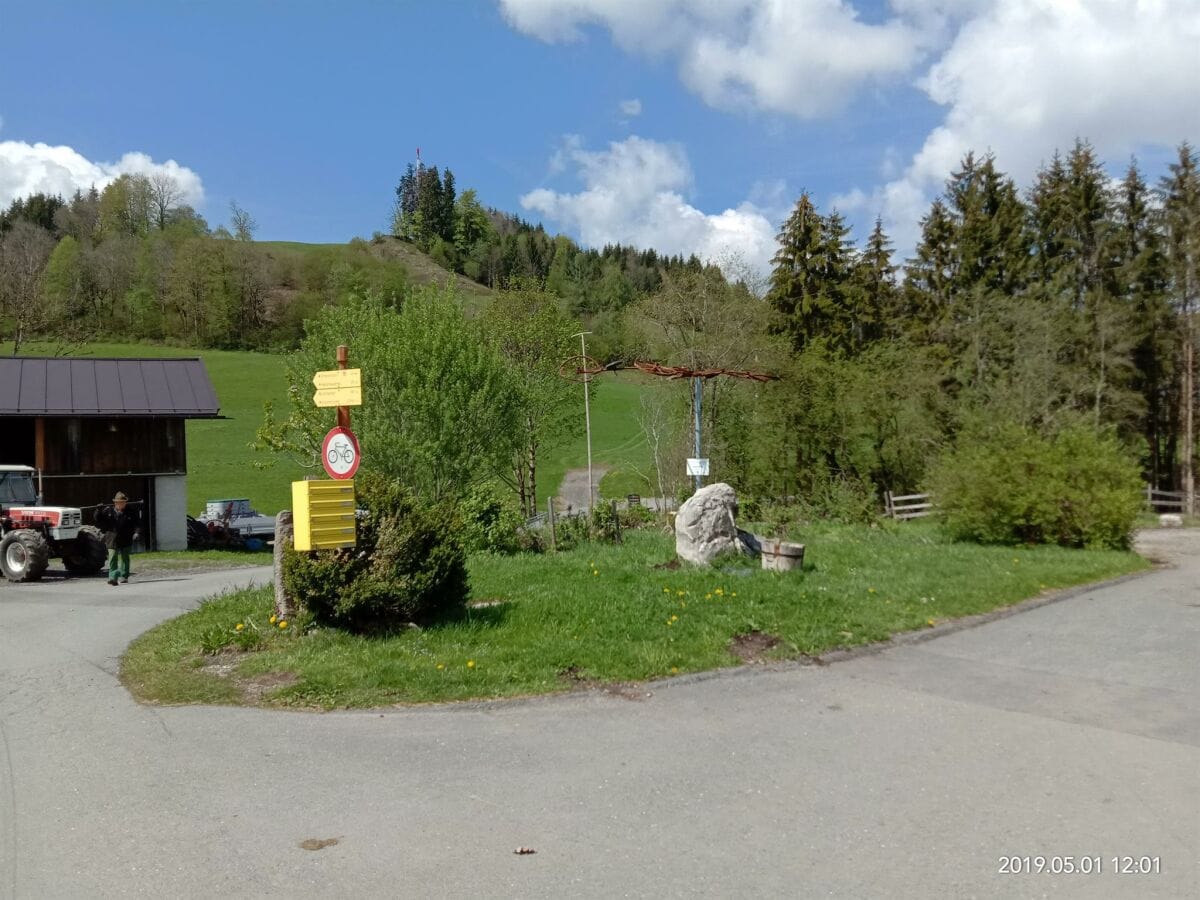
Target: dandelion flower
[870,590]
[719,591]
[441,666]
[734,594]
[674,618]
[674,670]
[708,596]
[273,619]
[666,590]
[283,624]
[470,663]
[238,627]
[682,593]
[929,622]
[594,572]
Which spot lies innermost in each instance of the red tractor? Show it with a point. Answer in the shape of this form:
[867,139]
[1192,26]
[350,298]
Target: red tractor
[31,535]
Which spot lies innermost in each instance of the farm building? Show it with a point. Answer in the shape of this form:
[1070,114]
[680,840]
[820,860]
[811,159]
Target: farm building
[97,426]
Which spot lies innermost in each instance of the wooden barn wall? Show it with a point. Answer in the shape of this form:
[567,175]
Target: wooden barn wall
[79,446]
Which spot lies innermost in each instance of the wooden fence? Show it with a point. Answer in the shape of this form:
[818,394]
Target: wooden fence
[908,506]
[1165,501]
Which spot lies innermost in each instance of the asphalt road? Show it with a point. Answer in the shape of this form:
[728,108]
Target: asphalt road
[1071,730]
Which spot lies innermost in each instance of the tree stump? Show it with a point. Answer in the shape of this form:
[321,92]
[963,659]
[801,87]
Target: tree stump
[285,606]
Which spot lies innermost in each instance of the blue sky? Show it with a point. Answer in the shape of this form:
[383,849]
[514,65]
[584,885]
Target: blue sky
[306,113]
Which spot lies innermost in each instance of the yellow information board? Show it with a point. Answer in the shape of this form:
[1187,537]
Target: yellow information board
[323,514]
[338,387]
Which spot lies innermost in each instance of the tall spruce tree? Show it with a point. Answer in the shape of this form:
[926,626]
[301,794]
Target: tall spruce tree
[1142,284]
[1180,192]
[929,279]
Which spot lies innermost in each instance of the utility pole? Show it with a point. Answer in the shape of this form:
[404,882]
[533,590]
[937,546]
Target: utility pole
[587,416]
[696,389]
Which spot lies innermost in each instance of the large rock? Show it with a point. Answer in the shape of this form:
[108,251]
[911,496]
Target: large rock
[704,525]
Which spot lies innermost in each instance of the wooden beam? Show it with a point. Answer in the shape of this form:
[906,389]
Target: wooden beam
[39,443]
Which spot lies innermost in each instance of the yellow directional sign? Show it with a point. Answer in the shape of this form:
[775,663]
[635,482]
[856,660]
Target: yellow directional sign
[337,378]
[350,396]
[338,387]
[323,514]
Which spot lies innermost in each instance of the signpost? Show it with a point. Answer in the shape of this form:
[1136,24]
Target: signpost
[324,510]
[340,454]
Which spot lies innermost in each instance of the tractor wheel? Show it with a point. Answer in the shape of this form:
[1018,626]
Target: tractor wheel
[86,555]
[24,555]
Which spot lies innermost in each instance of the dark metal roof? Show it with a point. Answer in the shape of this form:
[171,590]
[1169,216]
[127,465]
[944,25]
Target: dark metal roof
[38,386]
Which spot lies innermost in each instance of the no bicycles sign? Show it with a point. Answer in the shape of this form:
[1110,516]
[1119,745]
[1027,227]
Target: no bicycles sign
[340,454]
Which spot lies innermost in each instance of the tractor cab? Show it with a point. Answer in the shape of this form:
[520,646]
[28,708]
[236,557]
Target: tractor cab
[32,534]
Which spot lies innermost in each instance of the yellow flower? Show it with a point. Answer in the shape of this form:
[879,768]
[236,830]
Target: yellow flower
[273,619]
[674,618]
[470,663]
[674,670]
[719,591]
[666,590]
[681,593]
[594,572]
[708,596]
[870,590]
[283,624]
[441,666]
[239,626]
[929,622]
[669,622]
[734,594]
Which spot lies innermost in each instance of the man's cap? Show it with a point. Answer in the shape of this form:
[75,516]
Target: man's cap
[120,496]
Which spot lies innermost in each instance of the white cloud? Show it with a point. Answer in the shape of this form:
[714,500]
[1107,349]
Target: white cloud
[633,194]
[31,168]
[630,108]
[801,57]
[1024,77]
[1017,77]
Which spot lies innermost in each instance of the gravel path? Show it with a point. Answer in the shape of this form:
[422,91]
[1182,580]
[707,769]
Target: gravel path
[573,491]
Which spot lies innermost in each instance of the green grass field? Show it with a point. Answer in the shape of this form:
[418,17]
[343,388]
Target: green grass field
[604,614]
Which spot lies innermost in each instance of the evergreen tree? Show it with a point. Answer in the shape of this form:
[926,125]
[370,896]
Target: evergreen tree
[1142,285]
[929,279]
[875,291]
[1180,192]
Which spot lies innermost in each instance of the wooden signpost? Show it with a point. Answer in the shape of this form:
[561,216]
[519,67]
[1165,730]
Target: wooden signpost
[324,510]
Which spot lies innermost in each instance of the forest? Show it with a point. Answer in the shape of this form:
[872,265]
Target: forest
[1044,309]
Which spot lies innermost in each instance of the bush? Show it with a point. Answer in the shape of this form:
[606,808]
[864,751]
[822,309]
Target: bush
[490,524]
[1076,488]
[408,566]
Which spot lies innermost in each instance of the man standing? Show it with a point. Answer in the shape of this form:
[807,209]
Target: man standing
[121,525]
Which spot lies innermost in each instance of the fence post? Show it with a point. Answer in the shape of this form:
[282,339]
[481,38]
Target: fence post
[616,522]
[887,500]
[550,519]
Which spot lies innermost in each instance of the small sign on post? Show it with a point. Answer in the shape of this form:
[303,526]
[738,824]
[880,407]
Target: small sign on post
[697,467]
[340,454]
[338,387]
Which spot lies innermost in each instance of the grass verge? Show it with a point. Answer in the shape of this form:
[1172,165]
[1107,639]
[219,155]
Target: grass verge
[165,560]
[604,614]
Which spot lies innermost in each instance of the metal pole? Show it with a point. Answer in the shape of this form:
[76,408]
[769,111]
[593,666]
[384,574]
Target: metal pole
[587,417]
[696,407]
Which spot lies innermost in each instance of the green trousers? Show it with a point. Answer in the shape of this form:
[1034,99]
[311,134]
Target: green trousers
[118,563]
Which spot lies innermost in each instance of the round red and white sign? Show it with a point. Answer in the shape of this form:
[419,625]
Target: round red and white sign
[340,454]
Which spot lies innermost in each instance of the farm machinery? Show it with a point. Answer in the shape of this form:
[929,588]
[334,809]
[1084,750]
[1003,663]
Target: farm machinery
[31,534]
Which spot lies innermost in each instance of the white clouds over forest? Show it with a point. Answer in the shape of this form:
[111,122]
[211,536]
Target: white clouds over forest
[1016,77]
[32,168]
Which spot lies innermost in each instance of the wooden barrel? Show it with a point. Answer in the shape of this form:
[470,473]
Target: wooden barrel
[781,556]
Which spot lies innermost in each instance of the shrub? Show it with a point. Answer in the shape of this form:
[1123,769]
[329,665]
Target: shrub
[490,524]
[408,565]
[1011,485]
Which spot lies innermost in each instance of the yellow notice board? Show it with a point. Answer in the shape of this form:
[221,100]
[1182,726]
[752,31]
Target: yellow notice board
[323,514]
[338,387]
